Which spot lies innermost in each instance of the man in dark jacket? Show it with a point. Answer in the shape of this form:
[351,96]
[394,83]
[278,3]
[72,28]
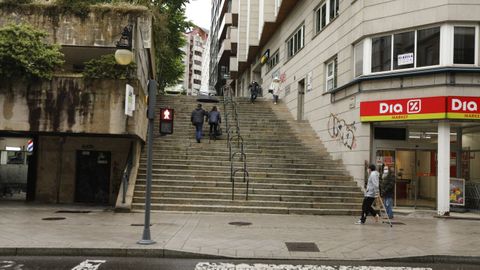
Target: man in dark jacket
[254,90]
[387,190]
[197,118]
[214,119]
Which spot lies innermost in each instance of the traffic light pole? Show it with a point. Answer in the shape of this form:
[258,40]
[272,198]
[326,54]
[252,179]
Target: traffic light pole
[152,97]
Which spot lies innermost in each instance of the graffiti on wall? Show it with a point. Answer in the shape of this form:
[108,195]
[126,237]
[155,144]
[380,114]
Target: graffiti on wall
[341,131]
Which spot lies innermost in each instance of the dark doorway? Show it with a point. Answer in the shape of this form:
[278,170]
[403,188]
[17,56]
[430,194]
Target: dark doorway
[301,99]
[92,177]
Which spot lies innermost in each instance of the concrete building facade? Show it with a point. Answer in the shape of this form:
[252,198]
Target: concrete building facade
[73,135]
[394,83]
[194,58]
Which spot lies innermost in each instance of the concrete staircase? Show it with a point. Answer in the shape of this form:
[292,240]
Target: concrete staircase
[290,170]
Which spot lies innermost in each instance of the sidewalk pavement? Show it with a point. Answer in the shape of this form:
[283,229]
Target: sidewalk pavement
[102,232]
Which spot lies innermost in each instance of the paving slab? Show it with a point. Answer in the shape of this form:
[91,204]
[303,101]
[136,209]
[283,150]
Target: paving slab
[103,232]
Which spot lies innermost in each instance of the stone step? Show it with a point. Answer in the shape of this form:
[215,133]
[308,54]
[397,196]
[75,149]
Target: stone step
[139,195]
[251,209]
[223,161]
[248,203]
[253,174]
[239,190]
[333,180]
[259,185]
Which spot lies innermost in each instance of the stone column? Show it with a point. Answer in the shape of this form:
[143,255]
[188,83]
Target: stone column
[443,168]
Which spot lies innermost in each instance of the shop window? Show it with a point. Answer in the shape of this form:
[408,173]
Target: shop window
[381,53]
[428,47]
[296,41]
[464,45]
[321,17]
[384,133]
[403,50]
[358,59]
[331,74]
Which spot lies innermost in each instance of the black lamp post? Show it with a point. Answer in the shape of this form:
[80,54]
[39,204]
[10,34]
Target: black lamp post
[124,56]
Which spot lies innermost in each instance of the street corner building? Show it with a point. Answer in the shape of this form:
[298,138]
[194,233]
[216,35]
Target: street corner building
[70,138]
[394,83]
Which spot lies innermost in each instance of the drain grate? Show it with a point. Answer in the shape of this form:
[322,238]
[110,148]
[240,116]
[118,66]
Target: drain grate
[73,211]
[53,218]
[302,247]
[240,223]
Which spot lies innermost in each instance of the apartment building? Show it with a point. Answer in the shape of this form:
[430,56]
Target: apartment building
[194,58]
[394,83]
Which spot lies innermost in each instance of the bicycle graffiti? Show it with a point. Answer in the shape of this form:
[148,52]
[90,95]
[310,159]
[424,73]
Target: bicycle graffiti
[343,132]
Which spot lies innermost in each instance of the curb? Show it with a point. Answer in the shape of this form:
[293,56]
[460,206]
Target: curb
[105,252]
[166,253]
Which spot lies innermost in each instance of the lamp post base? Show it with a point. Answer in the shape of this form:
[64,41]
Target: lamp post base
[146,242]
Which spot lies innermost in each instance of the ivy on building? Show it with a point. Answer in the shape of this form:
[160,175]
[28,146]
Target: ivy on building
[24,53]
[106,68]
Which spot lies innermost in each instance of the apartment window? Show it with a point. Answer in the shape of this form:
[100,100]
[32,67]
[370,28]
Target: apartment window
[321,17]
[404,50]
[428,47]
[358,58]
[273,61]
[198,72]
[331,74]
[334,5]
[197,81]
[196,62]
[296,41]
[198,53]
[464,45]
[381,53]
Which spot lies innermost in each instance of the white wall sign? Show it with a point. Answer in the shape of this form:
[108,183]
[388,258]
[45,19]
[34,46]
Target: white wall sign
[405,59]
[309,81]
[129,100]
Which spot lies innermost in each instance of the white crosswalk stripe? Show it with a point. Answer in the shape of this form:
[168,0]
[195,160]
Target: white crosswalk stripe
[229,266]
[89,265]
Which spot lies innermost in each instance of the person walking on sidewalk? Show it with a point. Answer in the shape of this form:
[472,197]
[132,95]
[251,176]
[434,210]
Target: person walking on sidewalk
[197,119]
[370,194]
[214,119]
[386,191]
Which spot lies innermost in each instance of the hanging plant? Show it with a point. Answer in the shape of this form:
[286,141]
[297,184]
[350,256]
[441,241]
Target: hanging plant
[24,53]
[107,68]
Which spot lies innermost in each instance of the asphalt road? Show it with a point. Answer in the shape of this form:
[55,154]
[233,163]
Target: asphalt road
[137,263]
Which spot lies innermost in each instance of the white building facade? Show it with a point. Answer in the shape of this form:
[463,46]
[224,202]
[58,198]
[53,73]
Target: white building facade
[194,58]
[394,83]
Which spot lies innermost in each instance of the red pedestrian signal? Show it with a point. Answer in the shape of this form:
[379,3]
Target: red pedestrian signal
[166,120]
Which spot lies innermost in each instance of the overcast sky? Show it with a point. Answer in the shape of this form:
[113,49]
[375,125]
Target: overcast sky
[199,12]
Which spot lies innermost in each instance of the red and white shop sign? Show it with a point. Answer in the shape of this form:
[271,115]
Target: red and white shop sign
[403,109]
[463,108]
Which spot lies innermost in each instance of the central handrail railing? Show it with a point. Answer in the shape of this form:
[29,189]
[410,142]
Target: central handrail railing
[234,137]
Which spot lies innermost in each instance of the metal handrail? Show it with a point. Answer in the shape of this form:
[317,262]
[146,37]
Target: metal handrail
[237,138]
[126,172]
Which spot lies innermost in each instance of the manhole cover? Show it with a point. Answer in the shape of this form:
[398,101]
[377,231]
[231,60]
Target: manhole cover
[302,247]
[73,211]
[53,218]
[240,223]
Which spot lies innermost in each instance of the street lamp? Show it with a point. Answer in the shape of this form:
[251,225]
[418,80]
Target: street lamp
[124,56]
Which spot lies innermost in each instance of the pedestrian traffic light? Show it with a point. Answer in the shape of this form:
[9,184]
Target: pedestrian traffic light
[166,120]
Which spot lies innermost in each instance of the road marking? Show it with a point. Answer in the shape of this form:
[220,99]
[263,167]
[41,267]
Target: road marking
[89,265]
[258,266]
[10,265]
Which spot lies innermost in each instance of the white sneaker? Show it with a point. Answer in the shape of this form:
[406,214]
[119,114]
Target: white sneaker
[359,222]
